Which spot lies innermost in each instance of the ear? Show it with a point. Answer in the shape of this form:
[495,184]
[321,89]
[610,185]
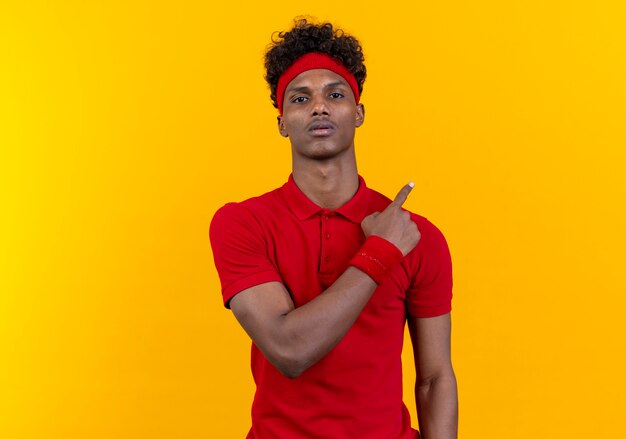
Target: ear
[281,127]
[360,115]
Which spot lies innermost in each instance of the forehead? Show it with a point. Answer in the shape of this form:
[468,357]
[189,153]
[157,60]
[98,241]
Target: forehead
[316,77]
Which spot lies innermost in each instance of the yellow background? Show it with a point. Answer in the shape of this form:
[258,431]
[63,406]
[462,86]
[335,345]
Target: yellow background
[125,125]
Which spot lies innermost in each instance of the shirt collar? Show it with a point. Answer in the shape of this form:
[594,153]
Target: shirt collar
[355,209]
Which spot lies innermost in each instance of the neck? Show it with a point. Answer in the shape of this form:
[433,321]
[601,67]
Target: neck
[329,184]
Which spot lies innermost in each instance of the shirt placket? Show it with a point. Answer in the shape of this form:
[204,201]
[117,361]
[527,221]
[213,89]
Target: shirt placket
[326,262]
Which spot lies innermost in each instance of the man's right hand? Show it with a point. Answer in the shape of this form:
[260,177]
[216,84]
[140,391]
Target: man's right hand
[394,224]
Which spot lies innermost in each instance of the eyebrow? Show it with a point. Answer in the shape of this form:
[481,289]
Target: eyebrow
[305,88]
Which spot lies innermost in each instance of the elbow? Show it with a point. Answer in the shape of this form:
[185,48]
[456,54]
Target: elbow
[291,368]
[290,371]
[289,353]
[290,364]
[447,379]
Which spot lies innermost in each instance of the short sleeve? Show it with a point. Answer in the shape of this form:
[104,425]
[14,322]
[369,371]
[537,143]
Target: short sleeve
[240,251]
[430,292]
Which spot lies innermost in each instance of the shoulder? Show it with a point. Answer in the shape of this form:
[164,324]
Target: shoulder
[376,200]
[427,229]
[430,265]
[243,226]
[249,211]
[432,246]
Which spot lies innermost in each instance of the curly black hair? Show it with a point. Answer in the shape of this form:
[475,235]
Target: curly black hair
[307,37]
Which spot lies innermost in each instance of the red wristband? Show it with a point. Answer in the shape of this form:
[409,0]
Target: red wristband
[376,258]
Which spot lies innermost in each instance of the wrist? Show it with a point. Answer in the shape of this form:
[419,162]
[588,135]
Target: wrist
[377,257]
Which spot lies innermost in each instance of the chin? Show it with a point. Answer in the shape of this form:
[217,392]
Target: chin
[322,151]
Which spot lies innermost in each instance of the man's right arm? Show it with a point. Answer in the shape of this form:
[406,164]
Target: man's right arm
[293,339]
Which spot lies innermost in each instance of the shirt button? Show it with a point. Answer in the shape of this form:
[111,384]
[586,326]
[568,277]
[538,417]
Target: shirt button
[325,217]
[327,258]
[327,235]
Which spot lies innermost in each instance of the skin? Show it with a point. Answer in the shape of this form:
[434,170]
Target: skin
[435,387]
[324,168]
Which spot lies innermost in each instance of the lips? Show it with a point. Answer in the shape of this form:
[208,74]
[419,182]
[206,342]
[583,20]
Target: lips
[321,128]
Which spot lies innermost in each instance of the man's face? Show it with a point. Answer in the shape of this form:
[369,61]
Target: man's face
[320,115]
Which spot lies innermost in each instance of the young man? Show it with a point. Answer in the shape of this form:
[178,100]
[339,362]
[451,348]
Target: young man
[323,272]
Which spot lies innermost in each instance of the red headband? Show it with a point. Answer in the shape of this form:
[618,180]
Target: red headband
[310,61]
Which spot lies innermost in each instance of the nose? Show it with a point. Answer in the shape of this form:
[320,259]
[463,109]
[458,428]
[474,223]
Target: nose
[320,106]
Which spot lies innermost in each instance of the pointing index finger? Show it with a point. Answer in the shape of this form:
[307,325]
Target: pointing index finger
[403,194]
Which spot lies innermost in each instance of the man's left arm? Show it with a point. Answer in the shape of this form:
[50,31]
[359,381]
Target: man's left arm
[435,386]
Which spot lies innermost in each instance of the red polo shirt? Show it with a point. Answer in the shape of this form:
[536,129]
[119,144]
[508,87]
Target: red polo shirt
[356,390]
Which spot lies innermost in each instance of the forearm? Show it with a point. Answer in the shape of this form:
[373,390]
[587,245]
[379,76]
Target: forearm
[309,332]
[437,407]
[294,338]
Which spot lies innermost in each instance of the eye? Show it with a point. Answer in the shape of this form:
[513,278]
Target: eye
[336,95]
[299,99]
